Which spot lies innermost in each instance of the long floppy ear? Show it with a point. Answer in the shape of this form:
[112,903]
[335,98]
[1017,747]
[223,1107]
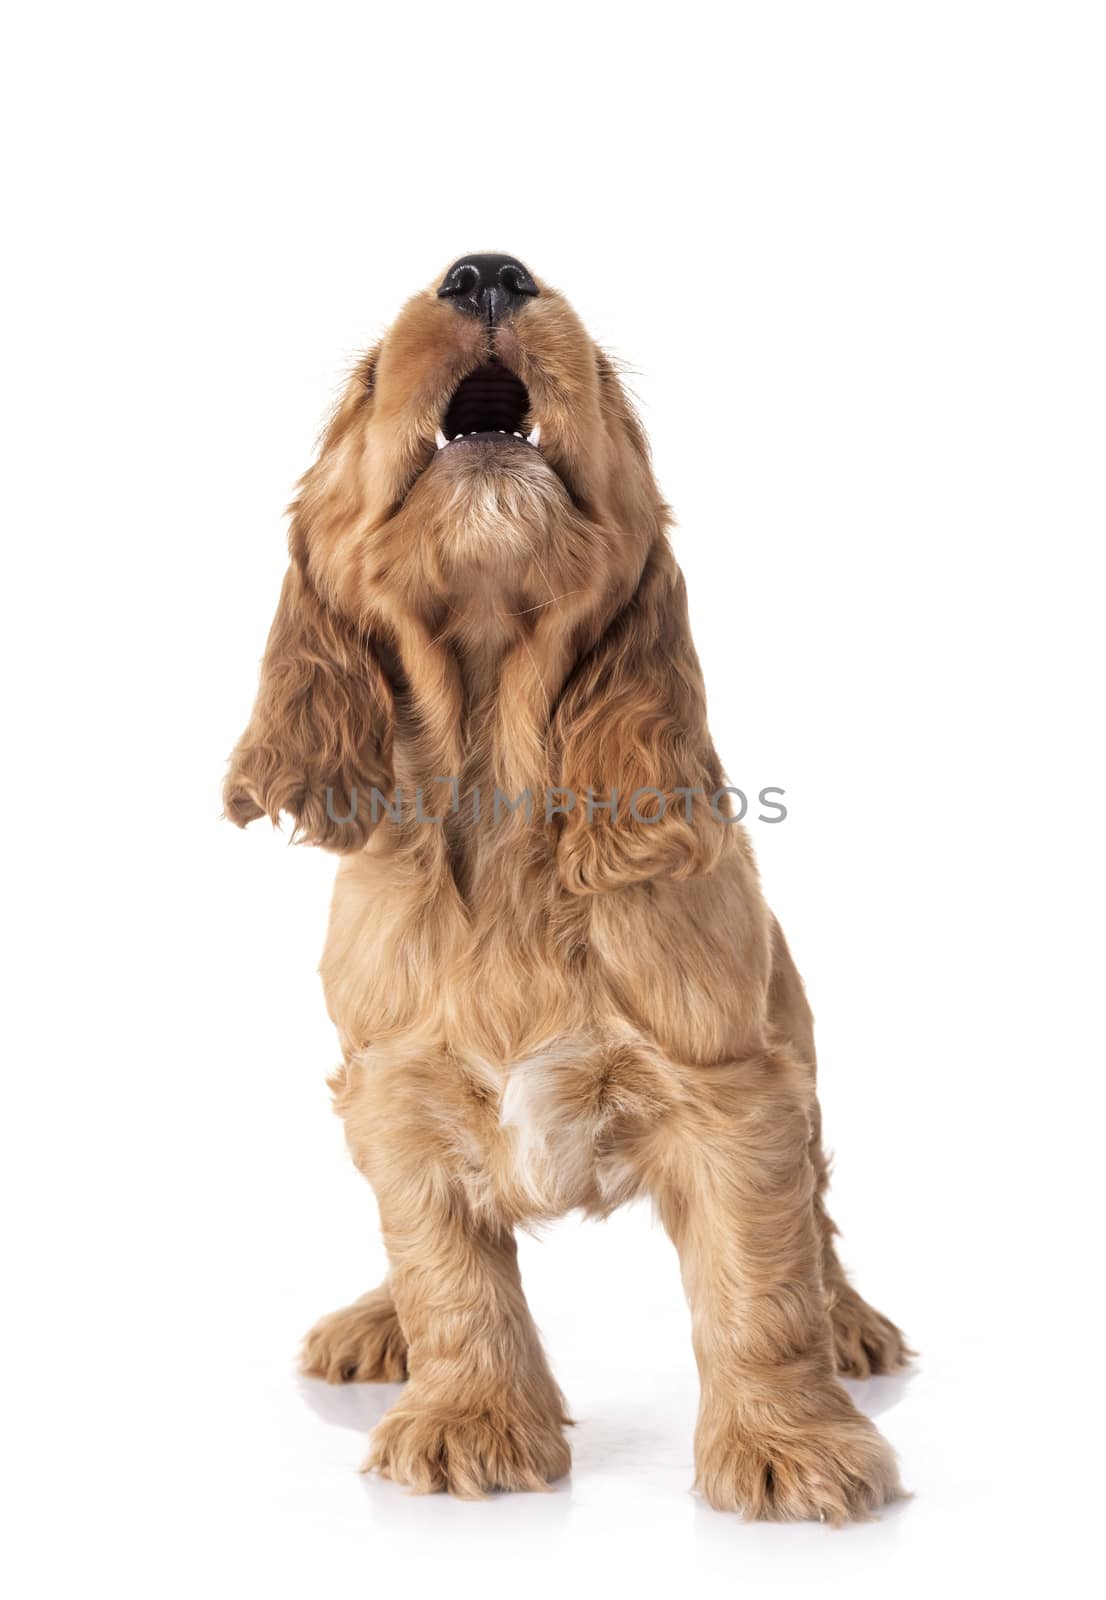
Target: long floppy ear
[632,718]
[322,722]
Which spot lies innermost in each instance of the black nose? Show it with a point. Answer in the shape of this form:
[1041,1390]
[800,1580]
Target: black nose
[487,286]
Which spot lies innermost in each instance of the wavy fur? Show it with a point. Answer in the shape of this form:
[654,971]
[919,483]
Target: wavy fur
[549,1010]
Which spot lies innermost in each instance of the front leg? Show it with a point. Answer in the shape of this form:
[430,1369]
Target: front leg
[777,1437]
[481,1410]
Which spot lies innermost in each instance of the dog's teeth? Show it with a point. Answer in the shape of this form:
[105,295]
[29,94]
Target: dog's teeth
[440,439]
[457,436]
[534,437]
[518,436]
[503,430]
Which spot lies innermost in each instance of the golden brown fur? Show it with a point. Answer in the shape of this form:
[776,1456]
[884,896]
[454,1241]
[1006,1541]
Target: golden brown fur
[539,1014]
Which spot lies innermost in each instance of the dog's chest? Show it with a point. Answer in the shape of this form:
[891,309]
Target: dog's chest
[556,1145]
[548,1148]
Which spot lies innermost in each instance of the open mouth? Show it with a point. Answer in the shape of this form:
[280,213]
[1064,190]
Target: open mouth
[490,405]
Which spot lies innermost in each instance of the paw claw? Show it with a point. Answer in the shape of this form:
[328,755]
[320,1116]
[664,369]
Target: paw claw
[468,1451]
[362,1343]
[865,1343]
[833,1467]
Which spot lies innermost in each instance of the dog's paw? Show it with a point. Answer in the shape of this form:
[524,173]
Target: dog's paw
[864,1342]
[834,1471]
[362,1343]
[432,1445]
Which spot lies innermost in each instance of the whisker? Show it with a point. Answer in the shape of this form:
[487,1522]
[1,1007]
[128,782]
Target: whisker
[438,637]
[542,603]
[545,577]
[533,663]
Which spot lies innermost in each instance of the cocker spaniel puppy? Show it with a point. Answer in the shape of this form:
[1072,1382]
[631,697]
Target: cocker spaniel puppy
[554,977]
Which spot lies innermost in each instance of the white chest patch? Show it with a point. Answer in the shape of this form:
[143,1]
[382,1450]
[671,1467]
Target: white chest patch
[553,1135]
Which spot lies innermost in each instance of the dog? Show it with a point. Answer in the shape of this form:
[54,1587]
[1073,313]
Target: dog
[554,978]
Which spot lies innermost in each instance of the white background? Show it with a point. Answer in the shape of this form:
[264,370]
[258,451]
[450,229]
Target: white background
[855,255]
